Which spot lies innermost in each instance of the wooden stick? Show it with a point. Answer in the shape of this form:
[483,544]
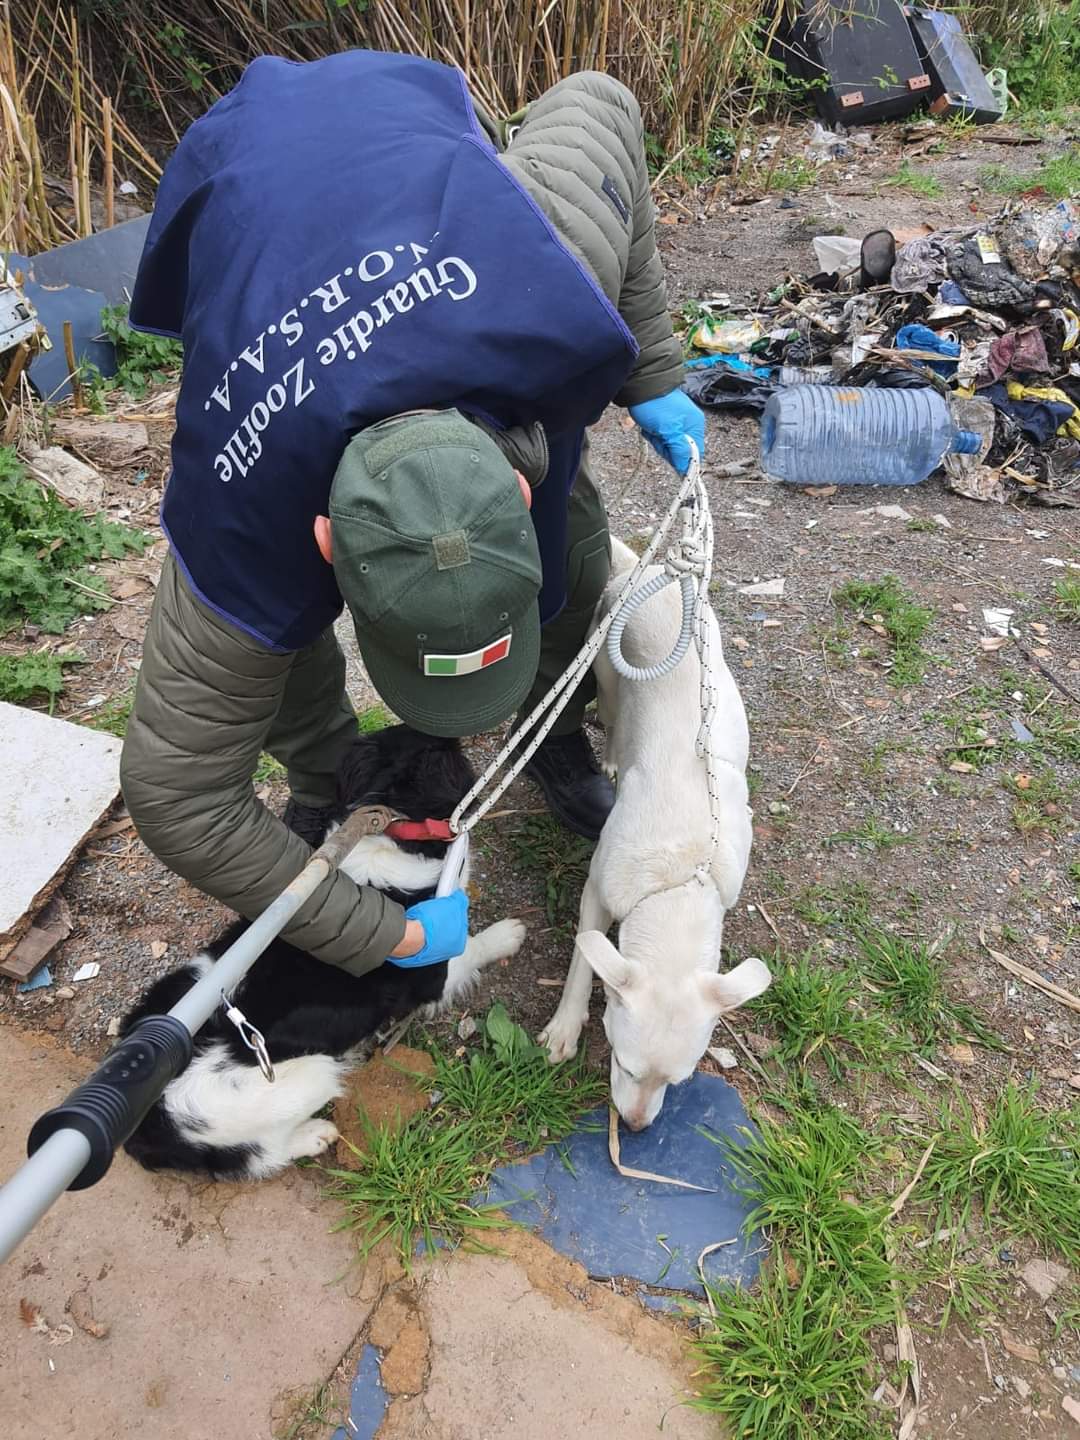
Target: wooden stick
[1032,977]
[107,162]
[15,369]
[73,369]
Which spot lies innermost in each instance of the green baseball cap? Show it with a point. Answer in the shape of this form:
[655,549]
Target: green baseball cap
[436,557]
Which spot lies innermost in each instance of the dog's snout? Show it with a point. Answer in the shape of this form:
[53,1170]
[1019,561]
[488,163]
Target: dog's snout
[636,1120]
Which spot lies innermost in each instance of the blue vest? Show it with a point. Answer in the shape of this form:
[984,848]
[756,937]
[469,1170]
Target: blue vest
[335,243]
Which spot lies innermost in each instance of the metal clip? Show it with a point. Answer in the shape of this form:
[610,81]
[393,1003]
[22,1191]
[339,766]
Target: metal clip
[251,1037]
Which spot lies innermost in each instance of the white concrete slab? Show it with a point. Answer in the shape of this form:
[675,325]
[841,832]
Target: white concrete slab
[56,782]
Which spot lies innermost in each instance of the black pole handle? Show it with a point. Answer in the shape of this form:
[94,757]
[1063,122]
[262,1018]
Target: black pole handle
[108,1106]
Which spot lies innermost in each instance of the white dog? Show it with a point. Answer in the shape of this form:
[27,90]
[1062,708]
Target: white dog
[663,991]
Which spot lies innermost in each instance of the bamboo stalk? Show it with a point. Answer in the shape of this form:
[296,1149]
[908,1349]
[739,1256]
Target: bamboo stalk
[107,162]
[73,369]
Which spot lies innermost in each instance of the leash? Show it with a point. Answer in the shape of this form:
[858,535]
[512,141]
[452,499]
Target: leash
[689,562]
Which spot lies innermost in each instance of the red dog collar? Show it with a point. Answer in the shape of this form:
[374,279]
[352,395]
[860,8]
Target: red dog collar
[419,830]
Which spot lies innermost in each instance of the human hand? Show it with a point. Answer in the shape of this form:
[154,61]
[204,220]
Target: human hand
[666,422]
[444,924]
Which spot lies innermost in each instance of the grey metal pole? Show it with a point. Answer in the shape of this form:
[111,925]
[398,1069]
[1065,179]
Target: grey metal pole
[61,1158]
[39,1183]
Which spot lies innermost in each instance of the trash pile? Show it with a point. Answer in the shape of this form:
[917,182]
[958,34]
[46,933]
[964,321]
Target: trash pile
[988,316]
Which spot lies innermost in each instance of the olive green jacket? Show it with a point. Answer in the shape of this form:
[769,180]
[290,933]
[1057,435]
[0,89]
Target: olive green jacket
[210,699]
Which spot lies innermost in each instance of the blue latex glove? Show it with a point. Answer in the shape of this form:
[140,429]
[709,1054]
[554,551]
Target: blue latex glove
[666,421]
[446,930]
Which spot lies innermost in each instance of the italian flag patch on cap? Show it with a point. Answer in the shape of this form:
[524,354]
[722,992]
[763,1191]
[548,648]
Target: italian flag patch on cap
[468,664]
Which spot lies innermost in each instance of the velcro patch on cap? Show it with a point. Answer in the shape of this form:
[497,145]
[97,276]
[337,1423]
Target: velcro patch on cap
[451,550]
[470,663]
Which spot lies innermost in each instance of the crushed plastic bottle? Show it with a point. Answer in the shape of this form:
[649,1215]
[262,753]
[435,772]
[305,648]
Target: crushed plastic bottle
[833,435]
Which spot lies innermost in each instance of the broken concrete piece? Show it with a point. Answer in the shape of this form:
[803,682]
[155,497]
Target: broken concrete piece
[1044,1277]
[73,480]
[57,781]
[888,512]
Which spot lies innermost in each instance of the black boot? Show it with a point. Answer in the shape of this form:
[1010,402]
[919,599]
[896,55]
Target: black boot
[577,793]
[310,822]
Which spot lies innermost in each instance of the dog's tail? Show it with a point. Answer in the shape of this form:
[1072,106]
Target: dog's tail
[623,558]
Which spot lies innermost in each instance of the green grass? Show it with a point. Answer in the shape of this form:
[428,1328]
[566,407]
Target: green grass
[375,717]
[559,859]
[959,1286]
[818,1010]
[917,181]
[887,604]
[321,1410]
[114,715]
[1074,876]
[1021,1165]
[1067,598]
[141,360]
[1058,178]
[45,551]
[910,976]
[268,769]
[1041,802]
[845,902]
[870,835]
[792,174]
[793,1360]
[38,676]
[504,1099]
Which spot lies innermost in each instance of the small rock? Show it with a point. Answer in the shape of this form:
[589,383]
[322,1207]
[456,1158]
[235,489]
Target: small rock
[760,1045]
[113,1028]
[466,1027]
[1074,1375]
[726,1059]
[999,1381]
[1044,1277]
[65,992]
[1021,1386]
[773,589]
[962,1054]
[1006,1256]
[889,1352]
[778,807]
[1059,1372]
[157,949]
[1020,1349]
[1071,1408]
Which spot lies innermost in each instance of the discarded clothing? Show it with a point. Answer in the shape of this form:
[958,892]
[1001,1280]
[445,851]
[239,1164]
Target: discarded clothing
[920,264]
[985,278]
[951,294]
[1049,395]
[921,337]
[1039,420]
[1022,351]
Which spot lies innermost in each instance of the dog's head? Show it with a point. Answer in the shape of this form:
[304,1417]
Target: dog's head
[660,1015]
[419,775]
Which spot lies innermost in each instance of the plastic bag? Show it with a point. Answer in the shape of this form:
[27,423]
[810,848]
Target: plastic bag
[1036,240]
[729,337]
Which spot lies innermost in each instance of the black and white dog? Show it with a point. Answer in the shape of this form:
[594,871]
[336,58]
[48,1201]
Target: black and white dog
[221,1117]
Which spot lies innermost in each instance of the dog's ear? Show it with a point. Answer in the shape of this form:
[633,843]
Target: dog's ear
[728,992]
[359,767]
[617,973]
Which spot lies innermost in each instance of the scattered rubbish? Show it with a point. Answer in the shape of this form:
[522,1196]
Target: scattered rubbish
[628,1171]
[725,1058]
[998,621]
[764,589]
[113,1027]
[40,979]
[970,322]
[1021,733]
[729,337]
[814,434]
[89,971]
[34,1320]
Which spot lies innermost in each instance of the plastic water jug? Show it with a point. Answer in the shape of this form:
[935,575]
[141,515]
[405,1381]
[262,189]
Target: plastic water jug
[834,435]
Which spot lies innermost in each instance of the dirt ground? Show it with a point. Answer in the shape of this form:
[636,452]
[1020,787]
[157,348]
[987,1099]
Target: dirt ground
[836,748]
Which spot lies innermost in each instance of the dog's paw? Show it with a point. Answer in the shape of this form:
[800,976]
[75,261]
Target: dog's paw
[561,1035]
[505,938]
[312,1138]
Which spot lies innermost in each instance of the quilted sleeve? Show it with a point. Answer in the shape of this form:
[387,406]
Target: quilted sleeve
[580,152]
[205,701]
